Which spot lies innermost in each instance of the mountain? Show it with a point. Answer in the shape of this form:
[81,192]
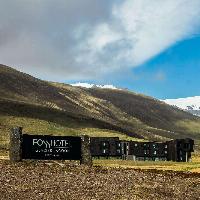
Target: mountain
[43,107]
[189,104]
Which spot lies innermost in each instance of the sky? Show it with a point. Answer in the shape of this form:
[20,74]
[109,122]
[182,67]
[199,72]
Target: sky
[148,46]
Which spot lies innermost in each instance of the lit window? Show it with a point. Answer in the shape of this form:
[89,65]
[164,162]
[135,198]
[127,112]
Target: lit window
[118,151]
[155,146]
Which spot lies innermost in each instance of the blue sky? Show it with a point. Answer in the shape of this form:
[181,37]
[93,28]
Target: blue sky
[175,73]
[178,69]
[148,46]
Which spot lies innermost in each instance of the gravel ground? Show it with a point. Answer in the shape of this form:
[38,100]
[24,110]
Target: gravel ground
[57,180]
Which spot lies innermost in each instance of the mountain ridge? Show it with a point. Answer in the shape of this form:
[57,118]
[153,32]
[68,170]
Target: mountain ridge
[48,107]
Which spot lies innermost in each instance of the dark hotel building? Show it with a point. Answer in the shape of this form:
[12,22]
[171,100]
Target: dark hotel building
[178,150]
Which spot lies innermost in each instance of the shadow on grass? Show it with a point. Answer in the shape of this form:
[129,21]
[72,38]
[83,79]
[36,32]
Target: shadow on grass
[63,118]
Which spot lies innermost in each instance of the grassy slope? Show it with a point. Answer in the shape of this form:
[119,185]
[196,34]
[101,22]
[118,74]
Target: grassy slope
[44,120]
[153,112]
[53,108]
[193,166]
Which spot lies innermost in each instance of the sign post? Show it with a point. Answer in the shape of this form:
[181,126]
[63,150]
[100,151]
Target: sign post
[15,152]
[86,157]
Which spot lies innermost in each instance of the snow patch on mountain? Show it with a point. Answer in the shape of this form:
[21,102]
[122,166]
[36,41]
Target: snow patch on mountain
[188,103]
[87,85]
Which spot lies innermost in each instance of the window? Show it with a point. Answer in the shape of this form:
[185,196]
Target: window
[155,146]
[146,152]
[155,152]
[186,146]
[105,147]
[105,144]
[118,151]
[179,145]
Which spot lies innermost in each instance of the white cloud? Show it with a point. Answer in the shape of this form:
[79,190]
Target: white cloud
[138,31]
[87,39]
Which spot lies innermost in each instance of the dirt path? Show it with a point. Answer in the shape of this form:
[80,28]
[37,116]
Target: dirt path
[50,180]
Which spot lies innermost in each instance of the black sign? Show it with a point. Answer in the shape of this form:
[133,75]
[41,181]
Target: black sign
[44,147]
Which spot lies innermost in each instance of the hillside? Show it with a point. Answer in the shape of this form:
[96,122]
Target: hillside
[55,108]
[150,111]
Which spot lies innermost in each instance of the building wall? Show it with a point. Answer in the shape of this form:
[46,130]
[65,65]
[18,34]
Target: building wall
[175,150]
[102,146]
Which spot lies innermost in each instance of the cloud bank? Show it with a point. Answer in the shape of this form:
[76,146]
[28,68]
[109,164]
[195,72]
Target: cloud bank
[76,40]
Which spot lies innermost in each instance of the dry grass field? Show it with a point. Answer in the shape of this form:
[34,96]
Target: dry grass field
[54,180]
[193,166]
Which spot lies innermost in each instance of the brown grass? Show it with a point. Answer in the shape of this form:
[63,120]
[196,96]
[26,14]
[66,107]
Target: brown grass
[193,166]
